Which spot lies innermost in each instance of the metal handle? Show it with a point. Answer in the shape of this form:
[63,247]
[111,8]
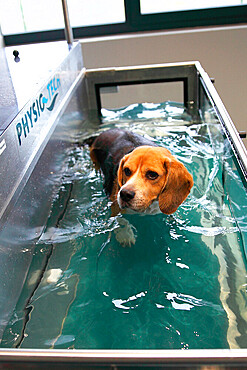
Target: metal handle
[68,29]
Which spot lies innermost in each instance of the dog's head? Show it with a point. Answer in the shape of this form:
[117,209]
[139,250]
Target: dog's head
[151,173]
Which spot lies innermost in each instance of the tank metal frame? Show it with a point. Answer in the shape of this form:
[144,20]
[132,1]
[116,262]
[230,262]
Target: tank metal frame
[17,168]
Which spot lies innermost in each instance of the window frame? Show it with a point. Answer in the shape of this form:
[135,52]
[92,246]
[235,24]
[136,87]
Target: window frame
[137,22]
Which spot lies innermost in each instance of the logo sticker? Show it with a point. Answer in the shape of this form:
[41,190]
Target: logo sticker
[32,115]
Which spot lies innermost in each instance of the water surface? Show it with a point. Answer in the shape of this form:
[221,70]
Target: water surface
[181,286]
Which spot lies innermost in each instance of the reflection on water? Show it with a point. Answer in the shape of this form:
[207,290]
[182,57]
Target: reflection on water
[183,284]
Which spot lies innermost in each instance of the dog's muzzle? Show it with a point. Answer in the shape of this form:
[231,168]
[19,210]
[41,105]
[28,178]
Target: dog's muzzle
[125,196]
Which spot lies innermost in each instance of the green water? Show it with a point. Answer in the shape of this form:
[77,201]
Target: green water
[181,286]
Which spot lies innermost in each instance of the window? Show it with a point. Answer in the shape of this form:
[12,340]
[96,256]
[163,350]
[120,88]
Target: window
[19,16]
[26,21]
[95,12]
[161,6]
[119,96]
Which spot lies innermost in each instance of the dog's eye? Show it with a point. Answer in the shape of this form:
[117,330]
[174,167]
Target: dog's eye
[152,175]
[127,171]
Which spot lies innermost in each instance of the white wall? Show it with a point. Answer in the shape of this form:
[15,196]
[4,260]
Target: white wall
[221,51]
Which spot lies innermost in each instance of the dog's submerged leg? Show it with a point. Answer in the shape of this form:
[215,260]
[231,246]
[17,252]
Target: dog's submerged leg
[125,232]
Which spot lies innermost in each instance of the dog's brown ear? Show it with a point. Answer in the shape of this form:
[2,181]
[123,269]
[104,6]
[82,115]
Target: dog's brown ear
[120,171]
[177,188]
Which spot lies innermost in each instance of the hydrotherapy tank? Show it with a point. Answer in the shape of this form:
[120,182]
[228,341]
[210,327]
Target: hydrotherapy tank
[30,148]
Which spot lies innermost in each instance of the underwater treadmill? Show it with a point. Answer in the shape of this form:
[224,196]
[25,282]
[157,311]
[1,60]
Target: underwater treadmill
[30,148]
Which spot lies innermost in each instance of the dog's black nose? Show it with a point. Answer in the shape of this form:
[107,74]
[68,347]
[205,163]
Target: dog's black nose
[126,195]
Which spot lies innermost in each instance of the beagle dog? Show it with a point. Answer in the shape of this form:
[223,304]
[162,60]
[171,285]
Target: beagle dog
[139,176]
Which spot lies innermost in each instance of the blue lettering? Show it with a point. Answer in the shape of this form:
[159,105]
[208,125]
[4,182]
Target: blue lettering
[42,106]
[54,84]
[19,132]
[37,104]
[29,113]
[25,126]
[35,113]
[48,88]
[52,91]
